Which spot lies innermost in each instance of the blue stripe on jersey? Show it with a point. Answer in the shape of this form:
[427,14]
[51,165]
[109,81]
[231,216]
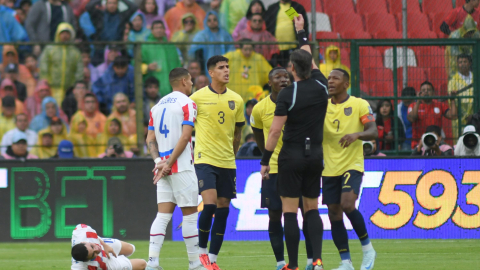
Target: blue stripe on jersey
[188,123]
[167,153]
[151,128]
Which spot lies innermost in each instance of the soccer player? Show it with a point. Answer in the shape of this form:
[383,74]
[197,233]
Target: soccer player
[261,120]
[217,138]
[301,108]
[169,140]
[349,121]
[91,252]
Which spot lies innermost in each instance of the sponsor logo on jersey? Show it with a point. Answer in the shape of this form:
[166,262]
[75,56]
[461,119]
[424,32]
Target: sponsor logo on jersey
[200,183]
[348,111]
[231,105]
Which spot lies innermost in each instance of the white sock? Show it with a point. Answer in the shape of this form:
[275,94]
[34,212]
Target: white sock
[190,236]
[309,261]
[347,261]
[157,235]
[367,247]
[212,257]
[281,263]
[194,264]
[202,250]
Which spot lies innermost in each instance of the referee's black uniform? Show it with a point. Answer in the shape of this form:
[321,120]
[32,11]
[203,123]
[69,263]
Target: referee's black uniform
[300,162]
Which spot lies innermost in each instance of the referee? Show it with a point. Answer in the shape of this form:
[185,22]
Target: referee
[301,107]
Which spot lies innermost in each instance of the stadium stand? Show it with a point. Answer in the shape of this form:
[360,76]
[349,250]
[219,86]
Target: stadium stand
[339,6]
[354,22]
[307,4]
[395,6]
[371,6]
[388,58]
[459,3]
[437,20]
[379,21]
[322,22]
[432,7]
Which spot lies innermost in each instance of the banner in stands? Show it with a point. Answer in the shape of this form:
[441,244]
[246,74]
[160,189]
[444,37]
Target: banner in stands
[400,198]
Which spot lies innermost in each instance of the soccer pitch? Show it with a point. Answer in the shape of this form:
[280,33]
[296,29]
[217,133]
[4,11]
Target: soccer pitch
[392,254]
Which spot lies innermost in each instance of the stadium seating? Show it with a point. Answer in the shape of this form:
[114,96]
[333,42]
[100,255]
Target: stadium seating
[432,57]
[355,35]
[422,34]
[388,34]
[415,77]
[307,4]
[396,6]
[459,3]
[437,20]
[415,22]
[339,6]
[370,57]
[322,22]
[379,21]
[371,6]
[342,22]
[382,89]
[327,35]
[345,56]
[432,7]
[371,76]
[388,58]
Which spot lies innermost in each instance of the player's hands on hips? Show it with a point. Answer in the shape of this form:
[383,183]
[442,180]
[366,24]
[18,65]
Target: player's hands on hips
[348,139]
[299,22]
[108,249]
[264,172]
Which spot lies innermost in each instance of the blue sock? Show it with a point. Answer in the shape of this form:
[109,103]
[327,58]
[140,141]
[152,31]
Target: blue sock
[218,230]
[204,224]
[340,238]
[358,224]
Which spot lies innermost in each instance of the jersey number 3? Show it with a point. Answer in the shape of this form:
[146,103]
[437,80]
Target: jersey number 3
[222,117]
[163,129]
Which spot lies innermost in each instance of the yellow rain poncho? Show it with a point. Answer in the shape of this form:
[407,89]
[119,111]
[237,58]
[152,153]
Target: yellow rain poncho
[84,145]
[468,30]
[102,139]
[42,151]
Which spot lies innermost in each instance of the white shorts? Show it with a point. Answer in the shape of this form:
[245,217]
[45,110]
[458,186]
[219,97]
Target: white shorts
[179,188]
[119,263]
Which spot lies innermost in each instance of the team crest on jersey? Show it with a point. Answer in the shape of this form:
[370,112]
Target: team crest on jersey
[231,105]
[348,111]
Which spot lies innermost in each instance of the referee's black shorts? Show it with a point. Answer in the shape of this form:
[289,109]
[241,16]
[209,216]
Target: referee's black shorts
[299,175]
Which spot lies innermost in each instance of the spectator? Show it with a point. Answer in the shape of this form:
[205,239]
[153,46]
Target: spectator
[150,96]
[181,8]
[10,29]
[467,144]
[21,124]
[117,79]
[113,129]
[257,32]
[49,111]
[45,148]
[200,82]
[153,11]
[84,144]
[115,149]
[87,26]
[280,25]
[186,34]
[25,5]
[370,149]
[195,69]
[247,68]
[78,6]
[18,73]
[44,18]
[32,66]
[7,88]
[455,17]
[467,31]
[212,33]
[386,127]
[7,118]
[402,110]
[247,129]
[256,7]
[231,12]
[428,112]
[249,148]
[462,78]
[20,16]
[108,57]
[122,112]
[160,59]
[33,104]
[75,98]
[94,118]
[18,148]
[332,61]
[61,65]
[66,150]
[58,129]
[87,64]
[139,31]
[215,5]
[437,148]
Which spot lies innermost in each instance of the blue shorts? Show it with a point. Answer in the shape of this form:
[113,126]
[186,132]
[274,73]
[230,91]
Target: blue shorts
[334,186]
[270,197]
[221,179]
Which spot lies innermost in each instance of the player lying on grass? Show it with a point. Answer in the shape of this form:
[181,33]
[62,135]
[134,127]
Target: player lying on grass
[91,252]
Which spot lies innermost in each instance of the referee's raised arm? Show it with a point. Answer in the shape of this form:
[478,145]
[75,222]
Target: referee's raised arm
[302,37]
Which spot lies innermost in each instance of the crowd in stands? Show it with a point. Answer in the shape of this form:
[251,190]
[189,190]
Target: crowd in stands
[65,97]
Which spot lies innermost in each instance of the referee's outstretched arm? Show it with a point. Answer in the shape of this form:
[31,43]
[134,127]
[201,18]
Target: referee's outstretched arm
[299,24]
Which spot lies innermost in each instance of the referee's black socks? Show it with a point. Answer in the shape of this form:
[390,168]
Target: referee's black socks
[358,224]
[204,224]
[315,233]
[340,238]
[292,238]
[218,230]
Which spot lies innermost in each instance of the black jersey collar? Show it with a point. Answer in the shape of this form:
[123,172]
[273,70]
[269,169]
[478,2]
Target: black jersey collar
[211,89]
[348,96]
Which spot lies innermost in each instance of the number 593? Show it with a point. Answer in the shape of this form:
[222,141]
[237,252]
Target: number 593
[445,204]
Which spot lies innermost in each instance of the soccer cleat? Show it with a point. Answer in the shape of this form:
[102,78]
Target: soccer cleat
[317,265]
[158,267]
[345,266]
[205,261]
[309,267]
[285,267]
[215,266]
[368,259]
[280,267]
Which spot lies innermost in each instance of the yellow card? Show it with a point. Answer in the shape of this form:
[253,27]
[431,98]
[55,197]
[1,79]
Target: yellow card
[291,13]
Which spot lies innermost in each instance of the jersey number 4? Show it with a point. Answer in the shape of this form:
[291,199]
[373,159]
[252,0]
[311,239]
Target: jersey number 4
[163,129]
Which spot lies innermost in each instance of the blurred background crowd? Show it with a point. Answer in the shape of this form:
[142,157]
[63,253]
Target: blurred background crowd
[70,92]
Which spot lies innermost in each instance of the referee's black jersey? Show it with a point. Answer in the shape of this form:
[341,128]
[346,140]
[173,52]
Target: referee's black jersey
[305,103]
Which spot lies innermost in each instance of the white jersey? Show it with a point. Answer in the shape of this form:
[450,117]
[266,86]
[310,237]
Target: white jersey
[85,233]
[167,118]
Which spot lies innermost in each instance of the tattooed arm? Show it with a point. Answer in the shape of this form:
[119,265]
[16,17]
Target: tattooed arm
[152,144]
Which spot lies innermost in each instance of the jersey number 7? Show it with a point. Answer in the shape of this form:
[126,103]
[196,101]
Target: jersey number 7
[163,130]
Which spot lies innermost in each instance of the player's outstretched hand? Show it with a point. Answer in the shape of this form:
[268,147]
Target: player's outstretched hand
[348,139]
[264,172]
[299,22]
[108,249]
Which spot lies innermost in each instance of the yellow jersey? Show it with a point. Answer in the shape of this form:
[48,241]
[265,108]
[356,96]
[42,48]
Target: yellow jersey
[217,116]
[262,118]
[341,119]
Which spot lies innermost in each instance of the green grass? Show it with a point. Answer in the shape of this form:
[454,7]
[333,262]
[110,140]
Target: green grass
[392,254]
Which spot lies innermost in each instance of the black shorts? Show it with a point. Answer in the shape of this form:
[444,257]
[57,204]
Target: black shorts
[270,197]
[299,175]
[334,186]
[221,179]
